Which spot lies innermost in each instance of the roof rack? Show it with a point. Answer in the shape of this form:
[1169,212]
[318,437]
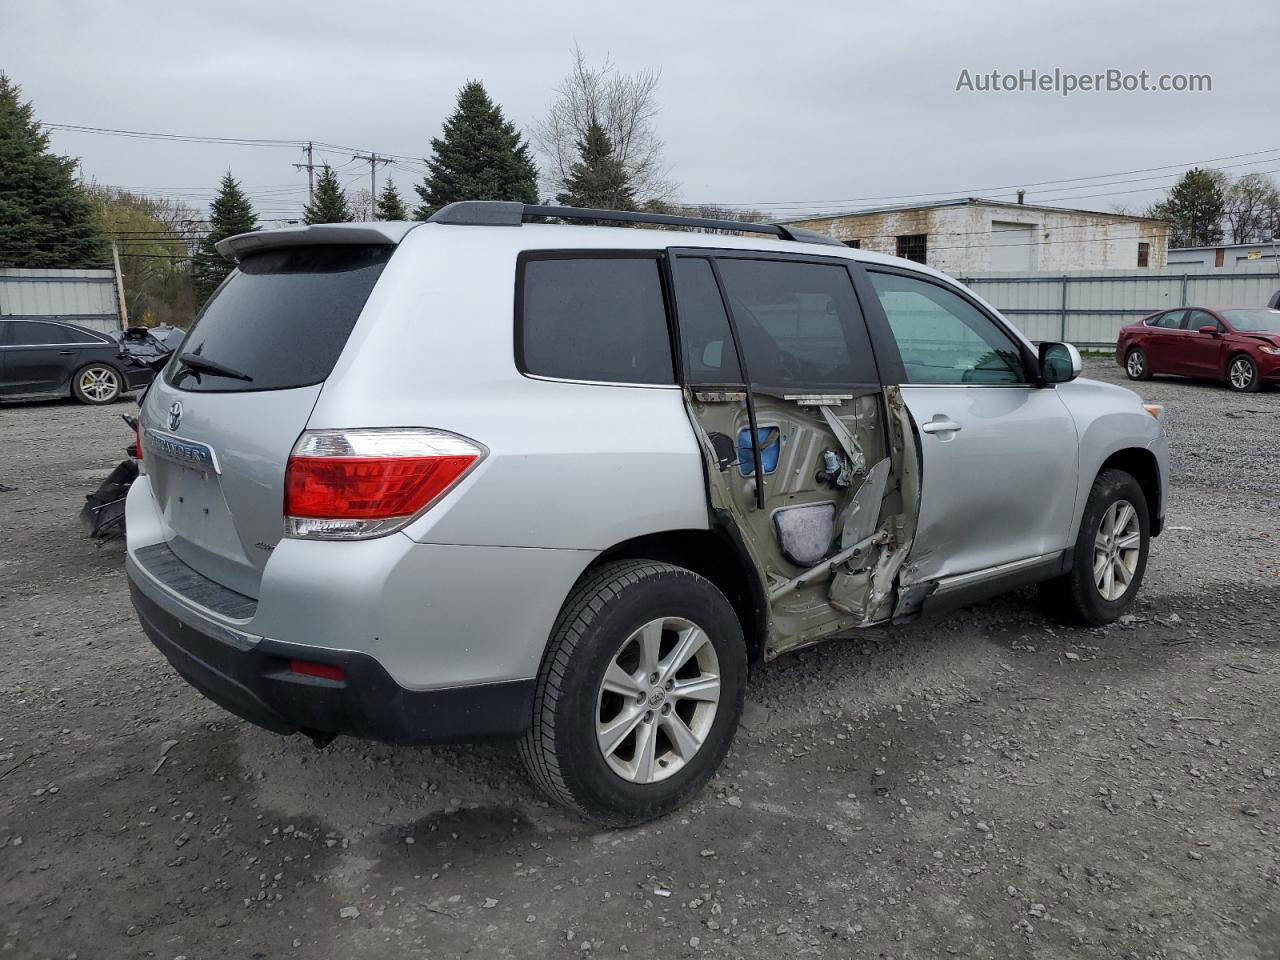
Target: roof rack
[504,213]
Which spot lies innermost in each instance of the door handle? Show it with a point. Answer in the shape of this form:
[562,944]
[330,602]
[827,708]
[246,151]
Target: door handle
[65,353]
[940,424]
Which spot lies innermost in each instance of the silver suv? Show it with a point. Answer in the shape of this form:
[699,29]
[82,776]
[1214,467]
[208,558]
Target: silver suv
[481,477]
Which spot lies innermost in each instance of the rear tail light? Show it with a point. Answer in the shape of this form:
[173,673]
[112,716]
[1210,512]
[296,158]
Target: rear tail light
[356,484]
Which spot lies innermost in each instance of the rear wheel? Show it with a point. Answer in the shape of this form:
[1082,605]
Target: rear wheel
[1110,553]
[1242,374]
[96,384]
[639,693]
[1136,366]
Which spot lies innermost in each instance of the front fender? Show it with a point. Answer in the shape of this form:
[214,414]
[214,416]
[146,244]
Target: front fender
[1111,421]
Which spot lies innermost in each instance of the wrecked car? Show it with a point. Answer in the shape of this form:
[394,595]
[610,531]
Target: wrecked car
[481,477]
[50,358]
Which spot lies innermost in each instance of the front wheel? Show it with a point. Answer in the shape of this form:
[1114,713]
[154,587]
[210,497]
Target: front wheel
[639,693]
[1242,374]
[1136,366]
[96,384]
[1110,553]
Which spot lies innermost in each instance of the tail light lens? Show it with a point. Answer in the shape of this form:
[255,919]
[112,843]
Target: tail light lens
[356,484]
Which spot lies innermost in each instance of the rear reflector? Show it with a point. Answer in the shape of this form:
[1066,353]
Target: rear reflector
[326,671]
[354,484]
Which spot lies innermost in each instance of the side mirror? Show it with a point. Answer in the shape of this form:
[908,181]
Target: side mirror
[1209,331]
[1059,362]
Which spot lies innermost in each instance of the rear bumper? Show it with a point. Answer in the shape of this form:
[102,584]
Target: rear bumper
[250,677]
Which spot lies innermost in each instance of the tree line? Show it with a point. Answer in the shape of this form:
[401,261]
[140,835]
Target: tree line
[1206,207]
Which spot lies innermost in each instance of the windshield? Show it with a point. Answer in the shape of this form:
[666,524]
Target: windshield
[1259,320]
[281,319]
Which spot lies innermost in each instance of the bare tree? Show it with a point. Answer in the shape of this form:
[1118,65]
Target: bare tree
[361,203]
[625,105]
[1251,206]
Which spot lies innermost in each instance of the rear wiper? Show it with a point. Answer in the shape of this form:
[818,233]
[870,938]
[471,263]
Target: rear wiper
[197,363]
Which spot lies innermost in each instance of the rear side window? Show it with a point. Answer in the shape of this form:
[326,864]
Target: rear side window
[593,318]
[30,333]
[799,324]
[282,318]
[705,338]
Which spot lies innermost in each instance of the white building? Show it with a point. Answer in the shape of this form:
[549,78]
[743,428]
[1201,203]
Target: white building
[1224,254]
[972,235]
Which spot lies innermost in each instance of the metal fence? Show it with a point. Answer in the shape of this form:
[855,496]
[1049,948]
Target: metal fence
[1088,309]
[86,297]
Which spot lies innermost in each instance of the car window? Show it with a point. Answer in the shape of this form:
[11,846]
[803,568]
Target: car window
[594,318]
[1255,319]
[705,340]
[282,317]
[942,337]
[1171,320]
[33,333]
[798,323]
[1195,319]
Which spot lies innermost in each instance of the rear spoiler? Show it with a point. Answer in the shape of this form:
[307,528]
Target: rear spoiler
[364,234]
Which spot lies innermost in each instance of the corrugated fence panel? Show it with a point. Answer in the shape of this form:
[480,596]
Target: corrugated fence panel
[78,296]
[1099,303]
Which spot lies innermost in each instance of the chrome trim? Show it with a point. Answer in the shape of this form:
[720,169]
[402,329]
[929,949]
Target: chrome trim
[947,584]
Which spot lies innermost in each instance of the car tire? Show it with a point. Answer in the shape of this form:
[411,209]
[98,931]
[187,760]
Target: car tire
[97,384]
[1242,374]
[1136,365]
[1111,546]
[598,650]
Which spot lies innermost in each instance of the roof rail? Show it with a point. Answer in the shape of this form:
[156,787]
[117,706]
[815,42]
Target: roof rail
[504,213]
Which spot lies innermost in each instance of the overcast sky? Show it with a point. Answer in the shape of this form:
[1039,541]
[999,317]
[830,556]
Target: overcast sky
[820,103]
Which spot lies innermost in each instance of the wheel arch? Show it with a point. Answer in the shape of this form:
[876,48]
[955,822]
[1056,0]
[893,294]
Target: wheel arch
[1141,464]
[715,555]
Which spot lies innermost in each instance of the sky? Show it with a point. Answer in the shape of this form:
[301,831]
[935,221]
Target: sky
[794,107]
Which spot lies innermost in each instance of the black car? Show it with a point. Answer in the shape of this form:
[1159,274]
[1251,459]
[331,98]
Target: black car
[50,358]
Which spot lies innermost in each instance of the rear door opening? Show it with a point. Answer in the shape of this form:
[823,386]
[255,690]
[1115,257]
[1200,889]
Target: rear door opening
[218,427]
[821,497]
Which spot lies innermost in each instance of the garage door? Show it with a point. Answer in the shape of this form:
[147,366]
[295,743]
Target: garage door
[1013,246]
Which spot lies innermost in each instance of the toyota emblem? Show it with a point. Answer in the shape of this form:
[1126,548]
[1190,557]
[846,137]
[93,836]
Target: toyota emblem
[175,414]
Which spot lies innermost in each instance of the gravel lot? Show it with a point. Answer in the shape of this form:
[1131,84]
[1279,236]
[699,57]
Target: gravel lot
[988,785]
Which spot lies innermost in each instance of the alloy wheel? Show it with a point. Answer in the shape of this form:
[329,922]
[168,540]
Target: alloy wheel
[1241,373]
[1134,364]
[658,700]
[1117,545]
[99,384]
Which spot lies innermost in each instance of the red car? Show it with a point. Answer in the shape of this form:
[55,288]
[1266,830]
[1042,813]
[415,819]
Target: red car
[1238,345]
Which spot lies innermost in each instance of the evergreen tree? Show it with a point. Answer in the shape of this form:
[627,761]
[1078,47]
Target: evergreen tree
[330,203]
[230,214]
[46,219]
[598,179]
[390,206]
[480,157]
[1194,208]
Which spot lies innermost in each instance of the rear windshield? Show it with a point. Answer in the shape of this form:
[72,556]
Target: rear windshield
[281,319]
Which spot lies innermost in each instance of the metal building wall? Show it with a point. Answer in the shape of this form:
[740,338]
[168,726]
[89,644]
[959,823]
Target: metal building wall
[86,297]
[1088,309]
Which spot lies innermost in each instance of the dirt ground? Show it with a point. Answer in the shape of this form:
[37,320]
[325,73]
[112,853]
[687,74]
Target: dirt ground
[991,784]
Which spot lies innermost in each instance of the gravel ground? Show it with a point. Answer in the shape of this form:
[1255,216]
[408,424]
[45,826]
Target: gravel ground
[991,784]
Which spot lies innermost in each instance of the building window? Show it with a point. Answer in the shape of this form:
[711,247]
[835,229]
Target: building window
[1144,254]
[853,244]
[914,246]
[1218,257]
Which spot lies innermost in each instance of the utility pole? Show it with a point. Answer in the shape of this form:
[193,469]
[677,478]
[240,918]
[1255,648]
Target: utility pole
[311,177]
[124,308]
[373,160]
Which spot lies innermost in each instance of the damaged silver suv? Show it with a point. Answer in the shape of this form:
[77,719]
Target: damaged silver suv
[480,477]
